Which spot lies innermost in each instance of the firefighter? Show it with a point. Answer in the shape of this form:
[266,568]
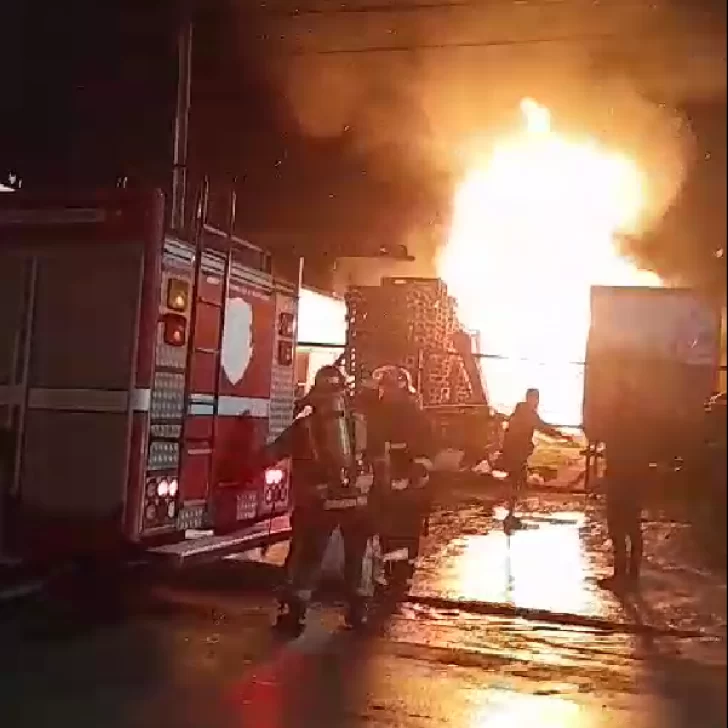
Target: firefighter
[401,441]
[518,447]
[327,494]
[626,475]
[629,445]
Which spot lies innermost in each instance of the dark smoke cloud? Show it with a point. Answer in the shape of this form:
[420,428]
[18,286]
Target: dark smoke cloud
[688,246]
[325,182]
[349,151]
[415,121]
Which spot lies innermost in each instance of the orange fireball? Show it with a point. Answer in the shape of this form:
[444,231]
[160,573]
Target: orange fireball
[533,228]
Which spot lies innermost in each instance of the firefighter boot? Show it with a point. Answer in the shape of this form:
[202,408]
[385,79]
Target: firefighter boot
[291,616]
[512,523]
[357,613]
[400,575]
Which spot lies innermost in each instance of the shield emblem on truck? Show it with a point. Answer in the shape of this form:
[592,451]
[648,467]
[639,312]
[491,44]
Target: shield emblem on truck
[237,339]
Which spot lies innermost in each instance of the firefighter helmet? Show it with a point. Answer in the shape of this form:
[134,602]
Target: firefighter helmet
[390,377]
[367,393]
[329,378]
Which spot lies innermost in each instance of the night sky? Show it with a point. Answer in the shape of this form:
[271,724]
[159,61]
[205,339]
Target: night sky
[88,92]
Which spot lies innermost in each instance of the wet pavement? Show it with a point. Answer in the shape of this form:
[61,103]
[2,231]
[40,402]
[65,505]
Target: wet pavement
[488,640]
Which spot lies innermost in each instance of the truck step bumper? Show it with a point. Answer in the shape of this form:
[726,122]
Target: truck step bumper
[211,547]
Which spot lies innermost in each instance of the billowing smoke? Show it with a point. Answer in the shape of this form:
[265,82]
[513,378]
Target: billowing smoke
[414,121]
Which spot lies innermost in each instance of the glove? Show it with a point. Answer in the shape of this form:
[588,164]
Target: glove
[421,469]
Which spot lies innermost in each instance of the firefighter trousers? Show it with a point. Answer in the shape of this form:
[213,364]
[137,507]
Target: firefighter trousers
[312,530]
[517,480]
[624,523]
[404,517]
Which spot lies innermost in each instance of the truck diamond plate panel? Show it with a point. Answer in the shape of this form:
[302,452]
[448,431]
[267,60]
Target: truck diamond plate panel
[282,393]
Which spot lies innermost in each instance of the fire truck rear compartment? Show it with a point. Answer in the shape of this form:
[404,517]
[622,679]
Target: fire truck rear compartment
[116,405]
[72,464]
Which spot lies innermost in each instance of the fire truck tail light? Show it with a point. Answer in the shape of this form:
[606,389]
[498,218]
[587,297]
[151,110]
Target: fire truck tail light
[173,487]
[274,476]
[162,488]
[285,353]
[286,324]
[175,329]
[177,294]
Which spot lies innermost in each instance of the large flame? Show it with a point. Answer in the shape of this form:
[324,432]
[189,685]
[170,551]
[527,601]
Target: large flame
[533,228]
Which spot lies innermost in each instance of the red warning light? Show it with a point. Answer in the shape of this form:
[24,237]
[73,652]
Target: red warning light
[286,324]
[285,353]
[175,329]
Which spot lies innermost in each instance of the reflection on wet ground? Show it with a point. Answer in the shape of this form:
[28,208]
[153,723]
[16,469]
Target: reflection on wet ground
[545,566]
[507,708]
[542,566]
[539,644]
[552,565]
[211,659]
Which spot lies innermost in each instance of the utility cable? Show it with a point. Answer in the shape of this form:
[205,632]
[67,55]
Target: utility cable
[566,39]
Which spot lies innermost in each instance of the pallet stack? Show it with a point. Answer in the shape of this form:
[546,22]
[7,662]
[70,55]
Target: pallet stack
[461,388]
[424,304]
[409,322]
[437,371]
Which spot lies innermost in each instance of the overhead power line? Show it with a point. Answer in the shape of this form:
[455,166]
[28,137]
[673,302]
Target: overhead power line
[566,39]
[415,7]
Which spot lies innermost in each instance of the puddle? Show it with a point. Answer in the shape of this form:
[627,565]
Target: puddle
[506,709]
[543,566]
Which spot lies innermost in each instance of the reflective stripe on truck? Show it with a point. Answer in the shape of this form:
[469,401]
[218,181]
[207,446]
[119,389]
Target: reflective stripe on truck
[117,400]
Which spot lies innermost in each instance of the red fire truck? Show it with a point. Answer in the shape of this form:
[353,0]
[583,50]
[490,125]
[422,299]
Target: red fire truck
[129,359]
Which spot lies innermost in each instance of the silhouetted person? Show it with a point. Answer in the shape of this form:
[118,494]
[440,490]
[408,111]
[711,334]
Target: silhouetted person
[401,443]
[518,445]
[627,447]
[328,493]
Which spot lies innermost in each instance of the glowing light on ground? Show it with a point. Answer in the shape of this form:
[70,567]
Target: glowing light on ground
[518,570]
[533,229]
[506,708]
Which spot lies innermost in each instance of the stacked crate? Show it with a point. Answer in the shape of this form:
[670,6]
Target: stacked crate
[409,322]
[461,389]
[368,329]
[436,378]
[423,302]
